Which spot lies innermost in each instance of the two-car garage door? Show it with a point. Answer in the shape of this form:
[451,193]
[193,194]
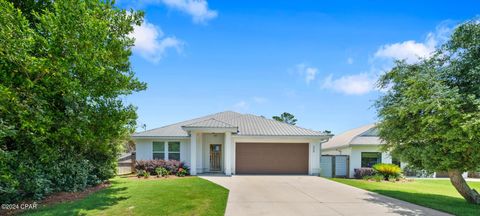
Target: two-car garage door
[271,158]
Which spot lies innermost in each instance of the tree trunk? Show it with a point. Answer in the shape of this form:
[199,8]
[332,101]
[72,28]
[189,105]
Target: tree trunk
[471,195]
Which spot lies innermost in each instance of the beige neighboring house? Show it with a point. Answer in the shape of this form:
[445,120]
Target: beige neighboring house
[362,146]
[234,143]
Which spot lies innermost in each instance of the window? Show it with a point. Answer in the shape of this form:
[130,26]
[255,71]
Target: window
[159,150]
[371,158]
[174,151]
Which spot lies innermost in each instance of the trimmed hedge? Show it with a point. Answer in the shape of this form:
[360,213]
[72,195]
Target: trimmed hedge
[173,166]
[360,173]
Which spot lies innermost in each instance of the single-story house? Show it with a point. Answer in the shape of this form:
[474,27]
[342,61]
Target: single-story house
[362,145]
[234,143]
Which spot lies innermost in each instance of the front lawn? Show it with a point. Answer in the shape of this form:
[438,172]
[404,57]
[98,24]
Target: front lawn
[130,196]
[436,194]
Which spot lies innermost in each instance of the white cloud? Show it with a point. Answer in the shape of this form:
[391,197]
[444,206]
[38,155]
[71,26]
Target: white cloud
[309,73]
[241,106]
[150,42]
[349,60]
[198,9]
[412,51]
[356,84]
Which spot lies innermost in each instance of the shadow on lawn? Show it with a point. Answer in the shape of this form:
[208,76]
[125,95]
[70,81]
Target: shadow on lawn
[100,200]
[452,205]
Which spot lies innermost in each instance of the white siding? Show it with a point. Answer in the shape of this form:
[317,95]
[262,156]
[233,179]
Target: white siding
[144,149]
[185,151]
[356,156]
[314,158]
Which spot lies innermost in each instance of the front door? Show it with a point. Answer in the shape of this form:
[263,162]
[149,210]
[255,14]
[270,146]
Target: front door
[215,157]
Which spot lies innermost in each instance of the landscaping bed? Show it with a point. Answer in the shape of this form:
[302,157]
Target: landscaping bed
[434,193]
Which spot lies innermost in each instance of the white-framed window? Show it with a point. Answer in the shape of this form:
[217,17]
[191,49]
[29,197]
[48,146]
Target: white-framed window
[174,151]
[166,150]
[158,150]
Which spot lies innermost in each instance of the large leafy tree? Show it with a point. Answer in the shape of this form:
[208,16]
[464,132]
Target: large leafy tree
[64,66]
[430,113]
[286,118]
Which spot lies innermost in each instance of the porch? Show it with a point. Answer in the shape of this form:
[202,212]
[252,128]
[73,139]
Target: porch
[211,147]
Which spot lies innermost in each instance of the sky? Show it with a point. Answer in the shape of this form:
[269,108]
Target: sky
[318,60]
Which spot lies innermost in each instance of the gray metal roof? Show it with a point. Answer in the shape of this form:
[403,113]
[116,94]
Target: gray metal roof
[248,125]
[365,135]
[210,123]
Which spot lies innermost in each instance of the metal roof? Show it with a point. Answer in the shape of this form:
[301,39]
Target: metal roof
[210,123]
[248,125]
[364,135]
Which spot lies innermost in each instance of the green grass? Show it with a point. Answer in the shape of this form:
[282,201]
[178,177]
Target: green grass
[436,194]
[175,196]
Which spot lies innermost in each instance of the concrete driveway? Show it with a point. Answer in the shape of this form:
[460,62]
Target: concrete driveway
[307,195]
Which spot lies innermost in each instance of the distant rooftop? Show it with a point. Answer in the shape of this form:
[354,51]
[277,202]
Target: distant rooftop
[364,135]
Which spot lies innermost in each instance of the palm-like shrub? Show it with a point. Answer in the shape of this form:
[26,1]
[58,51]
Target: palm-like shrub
[388,171]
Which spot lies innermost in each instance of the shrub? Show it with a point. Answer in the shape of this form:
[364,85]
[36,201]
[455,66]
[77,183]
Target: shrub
[388,170]
[161,171]
[360,173]
[377,177]
[182,172]
[150,166]
[412,171]
[62,129]
[146,174]
[140,173]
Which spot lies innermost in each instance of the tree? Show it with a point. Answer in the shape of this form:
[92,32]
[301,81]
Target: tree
[430,113]
[286,118]
[64,66]
[328,132]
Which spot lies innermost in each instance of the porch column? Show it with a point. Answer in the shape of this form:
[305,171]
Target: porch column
[193,153]
[228,153]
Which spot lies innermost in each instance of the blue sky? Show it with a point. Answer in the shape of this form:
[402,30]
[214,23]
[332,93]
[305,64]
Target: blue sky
[316,60]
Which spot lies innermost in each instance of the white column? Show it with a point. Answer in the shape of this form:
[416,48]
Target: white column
[228,153]
[193,153]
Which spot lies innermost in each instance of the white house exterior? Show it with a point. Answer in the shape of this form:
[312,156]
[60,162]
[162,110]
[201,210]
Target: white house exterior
[361,144]
[234,143]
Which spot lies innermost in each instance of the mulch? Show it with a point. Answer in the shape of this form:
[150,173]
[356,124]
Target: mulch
[56,198]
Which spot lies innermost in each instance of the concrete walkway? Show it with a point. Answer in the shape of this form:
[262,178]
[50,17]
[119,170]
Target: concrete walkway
[307,195]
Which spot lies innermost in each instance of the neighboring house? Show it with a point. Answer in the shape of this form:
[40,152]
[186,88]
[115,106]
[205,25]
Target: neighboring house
[362,146]
[234,143]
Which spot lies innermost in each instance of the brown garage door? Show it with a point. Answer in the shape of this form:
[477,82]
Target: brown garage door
[271,158]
